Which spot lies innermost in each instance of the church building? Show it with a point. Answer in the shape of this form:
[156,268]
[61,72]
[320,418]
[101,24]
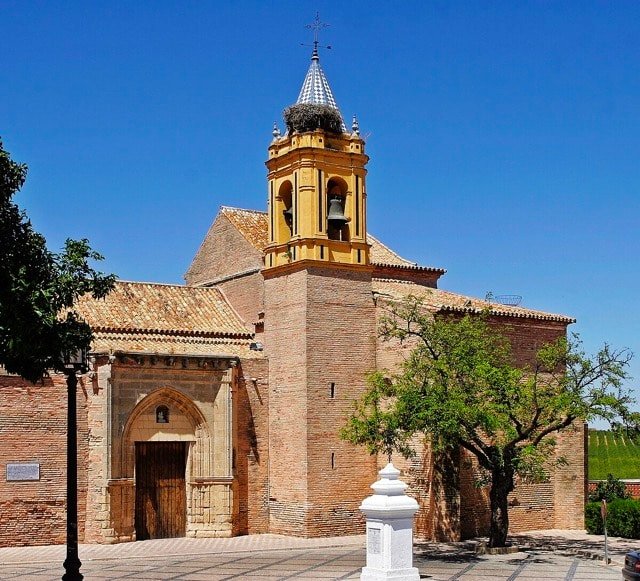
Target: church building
[213,408]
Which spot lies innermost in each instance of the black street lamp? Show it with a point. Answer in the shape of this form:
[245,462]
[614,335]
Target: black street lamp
[73,363]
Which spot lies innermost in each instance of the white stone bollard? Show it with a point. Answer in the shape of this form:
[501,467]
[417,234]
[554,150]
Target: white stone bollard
[389,513]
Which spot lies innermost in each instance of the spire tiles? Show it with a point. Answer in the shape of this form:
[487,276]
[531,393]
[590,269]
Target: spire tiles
[315,88]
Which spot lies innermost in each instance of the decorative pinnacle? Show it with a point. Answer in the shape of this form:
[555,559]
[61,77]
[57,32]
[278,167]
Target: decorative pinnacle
[355,126]
[316,26]
[276,130]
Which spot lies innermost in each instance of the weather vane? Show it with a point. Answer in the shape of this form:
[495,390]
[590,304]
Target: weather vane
[316,26]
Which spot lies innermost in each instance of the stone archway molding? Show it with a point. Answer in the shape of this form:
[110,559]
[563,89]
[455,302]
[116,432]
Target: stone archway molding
[174,398]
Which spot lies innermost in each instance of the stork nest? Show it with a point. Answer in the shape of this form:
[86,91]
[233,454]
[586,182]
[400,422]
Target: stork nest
[305,117]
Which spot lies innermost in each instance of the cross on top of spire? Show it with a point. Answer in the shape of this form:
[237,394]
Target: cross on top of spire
[315,88]
[317,25]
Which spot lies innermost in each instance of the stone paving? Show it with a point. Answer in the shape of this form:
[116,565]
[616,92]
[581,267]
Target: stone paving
[270,557]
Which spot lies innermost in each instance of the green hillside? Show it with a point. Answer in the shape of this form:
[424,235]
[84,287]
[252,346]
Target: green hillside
[612,454]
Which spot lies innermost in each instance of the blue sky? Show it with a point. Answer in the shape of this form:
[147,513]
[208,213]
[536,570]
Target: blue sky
[504,136]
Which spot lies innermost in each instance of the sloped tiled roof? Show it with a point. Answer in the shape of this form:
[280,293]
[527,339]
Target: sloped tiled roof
[252,224]
[162,309]
[439,300]
[384,256]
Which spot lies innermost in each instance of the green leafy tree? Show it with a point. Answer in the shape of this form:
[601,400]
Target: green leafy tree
[38,325]
[459,387]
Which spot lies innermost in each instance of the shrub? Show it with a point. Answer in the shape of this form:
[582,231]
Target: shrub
[593,519]
[309,117]
[609,489]
[623,518]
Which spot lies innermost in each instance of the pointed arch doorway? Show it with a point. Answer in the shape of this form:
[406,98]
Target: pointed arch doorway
[161,494]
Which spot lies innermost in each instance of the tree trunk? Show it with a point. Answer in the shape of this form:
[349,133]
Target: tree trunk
[501,485]
[445,487]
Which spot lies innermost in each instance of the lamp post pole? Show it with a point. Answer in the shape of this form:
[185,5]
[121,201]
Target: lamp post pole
[72,562]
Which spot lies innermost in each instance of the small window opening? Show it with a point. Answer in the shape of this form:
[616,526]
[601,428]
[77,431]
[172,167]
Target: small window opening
[359,256]
[333,460]
[321,252]
[332,390]
[162,414]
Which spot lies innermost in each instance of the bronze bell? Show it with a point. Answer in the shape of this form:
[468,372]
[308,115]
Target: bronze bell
[336,214]
[288,215]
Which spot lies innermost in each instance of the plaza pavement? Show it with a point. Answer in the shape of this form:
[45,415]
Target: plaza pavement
[547,555]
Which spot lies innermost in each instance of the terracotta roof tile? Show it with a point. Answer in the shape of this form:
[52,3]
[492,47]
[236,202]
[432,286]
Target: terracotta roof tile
[439,300]
[252,224]
[109,342]
[162,309]
[382,254]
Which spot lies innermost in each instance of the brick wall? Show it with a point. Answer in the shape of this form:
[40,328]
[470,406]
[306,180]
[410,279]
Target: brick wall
[319,330]
[246,296]
[251,447]
[527,336]
[341,336]
[474,501]
[570,480]
[418,473]
[33,427]
[224,251]
[285,346]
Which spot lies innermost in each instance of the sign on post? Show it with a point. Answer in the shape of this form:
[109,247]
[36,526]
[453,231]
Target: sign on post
[603,513]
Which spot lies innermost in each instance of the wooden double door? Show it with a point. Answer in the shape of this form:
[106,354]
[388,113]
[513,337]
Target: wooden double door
[161,498]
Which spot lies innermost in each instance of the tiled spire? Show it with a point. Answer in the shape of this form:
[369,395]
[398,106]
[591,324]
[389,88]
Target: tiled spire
[316,89]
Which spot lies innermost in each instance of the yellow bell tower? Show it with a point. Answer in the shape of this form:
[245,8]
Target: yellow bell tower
[316,180]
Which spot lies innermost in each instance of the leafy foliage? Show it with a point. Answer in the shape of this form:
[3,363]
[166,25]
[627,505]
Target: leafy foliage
[304,117]
[459,387]
[374,426]
[623,518]
[593,519]
[38,326]
[610,489]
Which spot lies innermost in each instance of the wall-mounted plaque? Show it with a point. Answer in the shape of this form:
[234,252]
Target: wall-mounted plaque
[20,472]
